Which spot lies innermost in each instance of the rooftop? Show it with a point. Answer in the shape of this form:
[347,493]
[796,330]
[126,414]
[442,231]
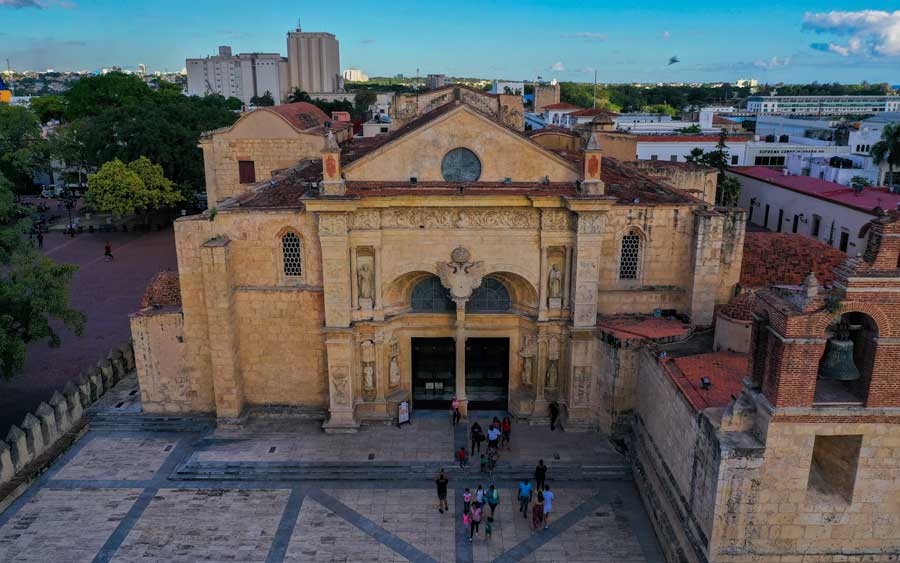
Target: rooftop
[725,370]
[162,291]
[590,112]
[866,201]
[562,105]
[644,327]
[785,259]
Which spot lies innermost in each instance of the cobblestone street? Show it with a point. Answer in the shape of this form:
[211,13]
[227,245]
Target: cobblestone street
[284,491]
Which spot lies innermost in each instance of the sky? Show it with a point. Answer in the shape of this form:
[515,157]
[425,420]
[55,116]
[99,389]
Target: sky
[626,41]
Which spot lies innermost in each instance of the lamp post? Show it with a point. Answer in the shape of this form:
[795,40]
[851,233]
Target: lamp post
[69,201]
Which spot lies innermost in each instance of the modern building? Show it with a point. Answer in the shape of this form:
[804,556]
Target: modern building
[772,153]
[674,147]
[240,76]
[508,87]
[435,81]
[801,130]
[862,139]
[824,210]
[314,62]
[823,105]
[557,114]
[355,75]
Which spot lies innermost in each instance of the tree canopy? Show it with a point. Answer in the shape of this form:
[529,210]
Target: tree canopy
[125,189]
[887,150]
[22,149]
[34,290]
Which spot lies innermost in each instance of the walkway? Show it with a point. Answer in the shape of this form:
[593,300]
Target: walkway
[285,491]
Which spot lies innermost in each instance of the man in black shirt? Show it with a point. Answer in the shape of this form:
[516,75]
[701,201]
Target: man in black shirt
[442,482]
[540,474]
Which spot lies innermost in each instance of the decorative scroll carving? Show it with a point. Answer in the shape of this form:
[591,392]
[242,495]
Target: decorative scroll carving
[341,386]
[590,223]
[468,218]
[366,219]
[332,224]
[527,352]
[460,275]
[367,354]
[394,370]
[552,376]
[555,220]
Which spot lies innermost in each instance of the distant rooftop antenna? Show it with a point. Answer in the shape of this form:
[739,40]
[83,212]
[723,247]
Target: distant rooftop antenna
[298,25]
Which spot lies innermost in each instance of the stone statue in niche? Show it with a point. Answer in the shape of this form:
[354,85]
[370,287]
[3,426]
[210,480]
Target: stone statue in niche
[394,370]
[367,349]
[365,280]
[555,282]
[552,377]
[527,351]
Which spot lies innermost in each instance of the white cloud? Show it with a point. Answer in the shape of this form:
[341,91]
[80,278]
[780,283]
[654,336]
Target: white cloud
[558,67]
[586,35]
[870,32]
[774,62]
[666,35]
[39,4]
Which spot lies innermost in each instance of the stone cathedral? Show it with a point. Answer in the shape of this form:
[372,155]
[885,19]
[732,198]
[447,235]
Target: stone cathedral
[455,257]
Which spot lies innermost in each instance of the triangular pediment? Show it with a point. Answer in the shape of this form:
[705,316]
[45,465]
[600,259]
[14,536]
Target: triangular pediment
[419,152]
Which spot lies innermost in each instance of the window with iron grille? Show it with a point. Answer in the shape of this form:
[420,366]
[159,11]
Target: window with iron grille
[629,262]
[290,249]
[490,297]
[430,296]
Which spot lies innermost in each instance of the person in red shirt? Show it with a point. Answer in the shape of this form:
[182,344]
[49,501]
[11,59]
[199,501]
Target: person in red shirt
[107,251]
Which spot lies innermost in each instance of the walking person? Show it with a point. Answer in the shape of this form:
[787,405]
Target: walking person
[40,239]
[477,437]
[461,457]
[442,482]
[479,495]
[524,497]
[554,414]
[454,410]
[540,474]
[476,520]
[107,251]
[467,500]
[548,506]
[494,436]
[493,499]
[537,512]
[506,432]
[467,521]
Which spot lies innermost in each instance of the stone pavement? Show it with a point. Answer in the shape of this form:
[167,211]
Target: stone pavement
[116,496]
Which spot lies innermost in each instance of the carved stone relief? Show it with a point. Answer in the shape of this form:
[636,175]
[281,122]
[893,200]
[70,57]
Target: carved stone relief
[332,224]
[366,219]
[582,385]
[461,276]
[555,220]
[365,278]
[367,355]
[394,370]
[340,386]
[552,376]
[527,352]
[467,218]
[590,223]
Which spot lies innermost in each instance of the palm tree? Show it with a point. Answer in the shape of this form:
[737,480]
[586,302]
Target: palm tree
[298,95]
[887,150]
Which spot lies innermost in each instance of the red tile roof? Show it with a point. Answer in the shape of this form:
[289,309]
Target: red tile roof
[631,327]
[162,291]
[719,120]
[740,308]
[302,115]
[785,259]
[869,199]
[561,105]
[725,370]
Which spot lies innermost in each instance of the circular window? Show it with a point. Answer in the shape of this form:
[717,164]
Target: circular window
[461,165]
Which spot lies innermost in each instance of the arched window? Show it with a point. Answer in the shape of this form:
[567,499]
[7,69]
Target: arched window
[292,257]
[490,297]
[430,296]
[630,259]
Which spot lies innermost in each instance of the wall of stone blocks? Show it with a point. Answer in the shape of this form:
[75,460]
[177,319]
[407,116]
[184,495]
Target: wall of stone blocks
[767,512]
[616,377]
[159,351]
[40,431]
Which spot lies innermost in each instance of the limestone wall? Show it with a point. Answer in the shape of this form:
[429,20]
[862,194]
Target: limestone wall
[52,420]
[615,373]
[159,349]
[699,181]
[769,512]
[675,454]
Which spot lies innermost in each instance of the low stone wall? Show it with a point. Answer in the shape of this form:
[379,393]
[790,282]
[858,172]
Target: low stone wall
[40,430]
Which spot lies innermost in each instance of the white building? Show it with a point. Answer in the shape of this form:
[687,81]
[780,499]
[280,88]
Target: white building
[838,169]
[799,204]
[240,76]
[799,130]
[677,148]
[313,62]
[435,81]
[508,87]
[355,75]
[555,114]
[762,153]
[822,105]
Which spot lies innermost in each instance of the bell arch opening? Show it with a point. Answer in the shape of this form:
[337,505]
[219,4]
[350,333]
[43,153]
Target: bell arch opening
[845,368]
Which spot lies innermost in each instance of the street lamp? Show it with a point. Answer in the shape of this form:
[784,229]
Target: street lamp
[69,199]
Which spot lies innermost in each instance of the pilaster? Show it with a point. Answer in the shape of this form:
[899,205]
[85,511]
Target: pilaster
[706,252]
[339,348]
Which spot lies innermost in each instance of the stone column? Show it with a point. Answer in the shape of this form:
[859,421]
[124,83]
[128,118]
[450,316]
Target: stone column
[228,385]
[461,358]
[706,254]
[336,279]
[543,288]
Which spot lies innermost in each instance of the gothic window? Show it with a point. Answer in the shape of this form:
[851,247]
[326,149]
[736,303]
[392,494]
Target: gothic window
[461,165]
[430,296]
[629,261]
[491,296]
[291,254]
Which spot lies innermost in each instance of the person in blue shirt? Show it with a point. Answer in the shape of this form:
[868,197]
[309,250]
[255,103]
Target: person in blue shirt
[524,497]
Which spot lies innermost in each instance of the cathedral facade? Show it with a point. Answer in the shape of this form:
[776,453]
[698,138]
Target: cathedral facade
[456,257]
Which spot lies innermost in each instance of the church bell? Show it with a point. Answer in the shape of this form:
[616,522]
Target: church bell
[837,364]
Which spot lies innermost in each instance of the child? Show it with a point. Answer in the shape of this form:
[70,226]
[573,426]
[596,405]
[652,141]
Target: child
[467,521]
[467,500]
[488,528]
[483,463]
[461,456]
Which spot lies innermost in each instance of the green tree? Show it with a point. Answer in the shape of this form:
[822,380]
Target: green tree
[34,290]
[298,95]
[691,130]
[22,149]
[234,104]
[859,183]
[49,107]
[95,95]
[265,100]
[660,108]
[364,100]
[728,189]
[65,146]
[139,186]
[887,150]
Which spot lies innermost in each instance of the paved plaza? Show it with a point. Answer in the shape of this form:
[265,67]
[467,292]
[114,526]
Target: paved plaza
[282,490]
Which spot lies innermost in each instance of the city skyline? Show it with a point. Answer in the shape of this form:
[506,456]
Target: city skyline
[846,41]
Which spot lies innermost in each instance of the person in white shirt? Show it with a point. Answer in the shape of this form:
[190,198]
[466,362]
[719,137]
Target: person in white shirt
[548,505]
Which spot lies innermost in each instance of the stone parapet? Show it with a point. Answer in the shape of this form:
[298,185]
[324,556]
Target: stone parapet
[38,432]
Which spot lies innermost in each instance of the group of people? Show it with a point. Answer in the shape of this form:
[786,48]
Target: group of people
[540,494]
[499,433]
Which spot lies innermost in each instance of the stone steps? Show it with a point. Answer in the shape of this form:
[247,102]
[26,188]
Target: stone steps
[363,471]
[150,423]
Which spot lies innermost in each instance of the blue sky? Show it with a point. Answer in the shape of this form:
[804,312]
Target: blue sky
[788,40]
